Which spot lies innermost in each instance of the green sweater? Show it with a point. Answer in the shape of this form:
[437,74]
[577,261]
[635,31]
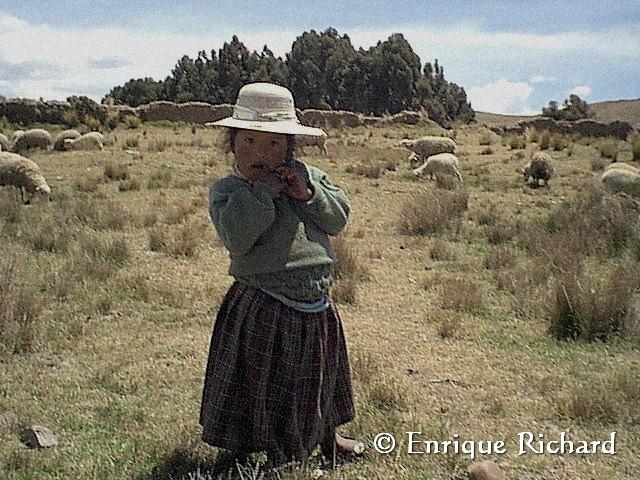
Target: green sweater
[275,242]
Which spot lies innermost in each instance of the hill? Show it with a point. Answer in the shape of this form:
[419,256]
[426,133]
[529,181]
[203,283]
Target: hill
[625,110]
[609,111]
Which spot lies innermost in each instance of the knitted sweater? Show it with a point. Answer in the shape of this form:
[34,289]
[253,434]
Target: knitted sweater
[275,242]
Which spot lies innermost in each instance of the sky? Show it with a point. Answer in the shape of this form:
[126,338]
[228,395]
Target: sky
[511,57]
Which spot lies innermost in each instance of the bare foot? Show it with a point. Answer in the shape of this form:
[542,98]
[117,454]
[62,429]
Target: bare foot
[348,444]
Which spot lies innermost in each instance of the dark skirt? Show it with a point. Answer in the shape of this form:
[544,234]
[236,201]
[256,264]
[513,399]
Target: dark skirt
[277,379]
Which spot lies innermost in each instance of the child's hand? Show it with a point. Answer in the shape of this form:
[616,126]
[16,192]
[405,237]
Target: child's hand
[295,184]
[272,179]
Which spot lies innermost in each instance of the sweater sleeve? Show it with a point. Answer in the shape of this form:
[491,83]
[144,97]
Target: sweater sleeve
[329,207]
[240,215]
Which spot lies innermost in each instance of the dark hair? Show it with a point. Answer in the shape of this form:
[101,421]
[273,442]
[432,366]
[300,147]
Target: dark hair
[230,138]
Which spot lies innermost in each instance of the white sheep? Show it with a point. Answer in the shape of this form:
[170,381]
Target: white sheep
[33,138]
[312,141]
[5,145]
[442,163]
[539,168]
[623,180]
[24,174]
[623,166]
[16,134]
[88,141]
[425,147]
[58,143]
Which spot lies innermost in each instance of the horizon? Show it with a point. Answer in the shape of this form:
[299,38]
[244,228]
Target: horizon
[506,58]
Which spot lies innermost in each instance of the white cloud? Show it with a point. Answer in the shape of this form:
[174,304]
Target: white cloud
[50,62]
[542,79]
[581,90]
[41,60]
[502,96]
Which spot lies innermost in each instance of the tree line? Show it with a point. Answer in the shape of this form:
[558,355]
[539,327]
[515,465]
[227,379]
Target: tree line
[573,108]
[322,70]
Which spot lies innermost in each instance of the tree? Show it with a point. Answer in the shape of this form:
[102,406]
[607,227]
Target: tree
[574,108]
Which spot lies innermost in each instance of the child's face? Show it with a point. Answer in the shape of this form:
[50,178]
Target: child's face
[257,152]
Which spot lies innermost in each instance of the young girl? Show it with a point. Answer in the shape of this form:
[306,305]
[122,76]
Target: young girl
[278,376]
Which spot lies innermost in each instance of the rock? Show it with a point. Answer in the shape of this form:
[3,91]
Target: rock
[37,436]
[485,471]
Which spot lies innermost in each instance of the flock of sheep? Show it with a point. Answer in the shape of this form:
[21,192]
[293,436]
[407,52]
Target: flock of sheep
[431,156]
[25,174]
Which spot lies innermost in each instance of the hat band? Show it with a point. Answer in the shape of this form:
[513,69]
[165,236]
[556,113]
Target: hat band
[246,113]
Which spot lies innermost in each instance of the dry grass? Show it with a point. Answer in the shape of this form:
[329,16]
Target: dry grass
[433,211]
[609,148]
[115,290]
[590,307]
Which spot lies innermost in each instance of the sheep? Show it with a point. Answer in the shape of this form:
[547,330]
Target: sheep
[5,145]
[34,138]
[425,147]
[312,141]
[24,174]
[16,134]
[623,180]
[539,168]
[88,141]
[58,143]
[623,166]
[442,163]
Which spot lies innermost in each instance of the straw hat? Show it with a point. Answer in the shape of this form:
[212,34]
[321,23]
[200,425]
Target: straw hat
[266,107]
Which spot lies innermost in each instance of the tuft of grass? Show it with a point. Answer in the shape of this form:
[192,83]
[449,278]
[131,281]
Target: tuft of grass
[460,294]
[500,232]
[598,164]
[432,211]
[545,140]
[486,139]
[131,142]
[558,142]
[20,308]
[159,178]
[609,148]
[159,145]
[131,122]
[517,142]
[158,240]
[440,250]
[87,184]
[116,171]
[499,257]
[532,135]
[590,307]
[130,184]
[635,147]
[487,151]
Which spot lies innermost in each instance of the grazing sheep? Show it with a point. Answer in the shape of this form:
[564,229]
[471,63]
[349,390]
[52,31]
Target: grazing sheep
[425,147]
[58,143]
[24,174]
[88,141]
[624,180]
[5,145]
[539,168]
[443,163]
[623,166]
[16,135]
[312,141]
[34,138]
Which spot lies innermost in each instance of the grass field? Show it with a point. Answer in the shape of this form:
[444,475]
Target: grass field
[452,301]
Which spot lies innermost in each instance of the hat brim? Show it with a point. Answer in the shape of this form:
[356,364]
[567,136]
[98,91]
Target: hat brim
[284,127]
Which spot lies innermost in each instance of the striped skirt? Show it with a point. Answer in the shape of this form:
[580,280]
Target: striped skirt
[277,379]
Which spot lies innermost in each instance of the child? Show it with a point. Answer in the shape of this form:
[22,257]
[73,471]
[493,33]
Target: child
[278,376]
